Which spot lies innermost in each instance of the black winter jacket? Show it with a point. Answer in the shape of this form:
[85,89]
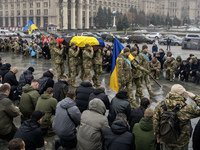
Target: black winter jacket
[82,95]
[98,93]
[50,82]
[136,115]
[31,134]
[196,137]
[11,79]
[25,78]
[185,68]
[125,139]
[3,71]
[119,104]
[57,89]
[195,67]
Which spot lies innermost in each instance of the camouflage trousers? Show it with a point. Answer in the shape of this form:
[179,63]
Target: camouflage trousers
[169,74]
[26,53]
[147,83]
[74,72]
[52,54]
[60,70]
[129,87]
[97,71]
[165,147]
[155,73]
[138,84]
[87,74]
[16,51]
[80,68]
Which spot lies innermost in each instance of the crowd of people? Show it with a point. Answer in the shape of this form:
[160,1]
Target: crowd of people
[79,119]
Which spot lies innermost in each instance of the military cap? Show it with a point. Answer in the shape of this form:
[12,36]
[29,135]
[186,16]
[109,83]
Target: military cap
[178,89]
[144,47]
[87,45]
[72,44]
[133,49]
[126,49]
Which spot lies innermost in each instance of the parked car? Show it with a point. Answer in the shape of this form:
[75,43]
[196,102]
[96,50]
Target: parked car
[5,33]
[163,41]
[57,35]
[22,35]
[171,36]
[154,35]
[97,33]
[193,44]
[192,36]
[92,35]
[109,38]
[140,39]
[86,33]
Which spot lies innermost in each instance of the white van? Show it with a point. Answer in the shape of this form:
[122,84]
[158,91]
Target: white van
[5,33]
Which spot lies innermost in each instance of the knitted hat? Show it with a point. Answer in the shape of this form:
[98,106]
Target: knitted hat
[37,115]
[31,69]
[178,89]
[126,49]
[72,44]
[133,49]
[144,47]
[87,45]
[8,65]
[178,57]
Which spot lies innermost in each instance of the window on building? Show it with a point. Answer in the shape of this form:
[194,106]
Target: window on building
[12,6]
[31,12]
[38,12]
[12,13]
[18,6]
[46,12]
[24,5]
[45,4]
[1,7]
[24,12]
[6,22]
[12,22]
[94,7]
[18,12]
[31,5]
[38,5]
[1,13]
[45,21]
[24,21]
[38,21]
[6,6]
[6,13]
[1,21]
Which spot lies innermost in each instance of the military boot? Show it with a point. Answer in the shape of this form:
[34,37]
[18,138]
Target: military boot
[152,94]
[134,104]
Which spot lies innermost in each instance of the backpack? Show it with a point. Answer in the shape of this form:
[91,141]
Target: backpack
[43,81]
[169,124]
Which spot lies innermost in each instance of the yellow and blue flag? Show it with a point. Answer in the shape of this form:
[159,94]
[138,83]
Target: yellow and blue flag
[30,26]
[118,49]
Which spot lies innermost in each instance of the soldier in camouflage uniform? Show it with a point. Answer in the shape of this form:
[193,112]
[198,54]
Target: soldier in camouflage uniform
[16,47]
[137,73]
[144,58]
[124,75]
[52,44]
[155,68]
[178,62]
[2,44]
[9,45]
[26,49]
[59,61]
[73,62]
[97,65]
[87,62]
[169,66]
[37,50]
[175,98]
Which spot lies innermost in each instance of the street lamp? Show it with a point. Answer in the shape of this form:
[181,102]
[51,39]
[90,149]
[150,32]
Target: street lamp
[114,15]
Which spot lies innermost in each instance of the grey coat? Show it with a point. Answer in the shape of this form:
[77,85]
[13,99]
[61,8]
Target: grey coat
[93,124]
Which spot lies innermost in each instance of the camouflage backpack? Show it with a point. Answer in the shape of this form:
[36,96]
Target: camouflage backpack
[169,124]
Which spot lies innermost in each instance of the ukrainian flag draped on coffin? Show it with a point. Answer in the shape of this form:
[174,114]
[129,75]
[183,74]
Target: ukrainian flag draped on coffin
[30,26]
[118,49]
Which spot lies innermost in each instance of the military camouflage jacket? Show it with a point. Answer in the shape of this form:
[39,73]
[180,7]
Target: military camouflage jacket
[170,65]
[124,69]
[97,58]
[136,68]
[26,48]
[178,63]
[87,58]
[16,46]
[155,66]
[73,56]
[58,55]
[143,61]
[185,114]
[52,44]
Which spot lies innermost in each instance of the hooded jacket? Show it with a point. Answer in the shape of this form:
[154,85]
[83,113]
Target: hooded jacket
[119,104]
[63,126]
[144,135]
[47,104]
[98,93]
[10,78]
[93,124]
[58,87]
[28,100]
[25,78]
[82,95]
[48,78]
[7,112]
[184,115]
[31,134]
[124,141]
[3,71]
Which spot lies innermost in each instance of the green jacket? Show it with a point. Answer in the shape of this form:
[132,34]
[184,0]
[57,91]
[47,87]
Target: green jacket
[73,57]
[155,65]
[28,100]
[170,65]
[47,104]
[185,114]
[58,55]
[143,61]
[97,59]
[144,135]
[136,68]
[87,58]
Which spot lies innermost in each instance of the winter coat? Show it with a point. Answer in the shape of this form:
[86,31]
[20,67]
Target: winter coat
[47,104]
[3,71]
[28,100]
[10,78]
[184,115]
[154,49]
[60,90]
[93,124]
[82,95]
[136,115]
[7,112]
[98,93]
[185,68]
[25,78]
[144,135]
[196,137]
[195,66]
[124,140]
[50,82]
[119,104]
[63,126]
[31,134]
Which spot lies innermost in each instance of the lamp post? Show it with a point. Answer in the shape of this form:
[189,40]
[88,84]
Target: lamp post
[114,15]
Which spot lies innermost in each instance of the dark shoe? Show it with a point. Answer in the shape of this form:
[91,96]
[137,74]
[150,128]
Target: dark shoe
[57,144]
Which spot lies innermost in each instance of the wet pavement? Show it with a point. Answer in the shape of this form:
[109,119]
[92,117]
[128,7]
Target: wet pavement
[42,65]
